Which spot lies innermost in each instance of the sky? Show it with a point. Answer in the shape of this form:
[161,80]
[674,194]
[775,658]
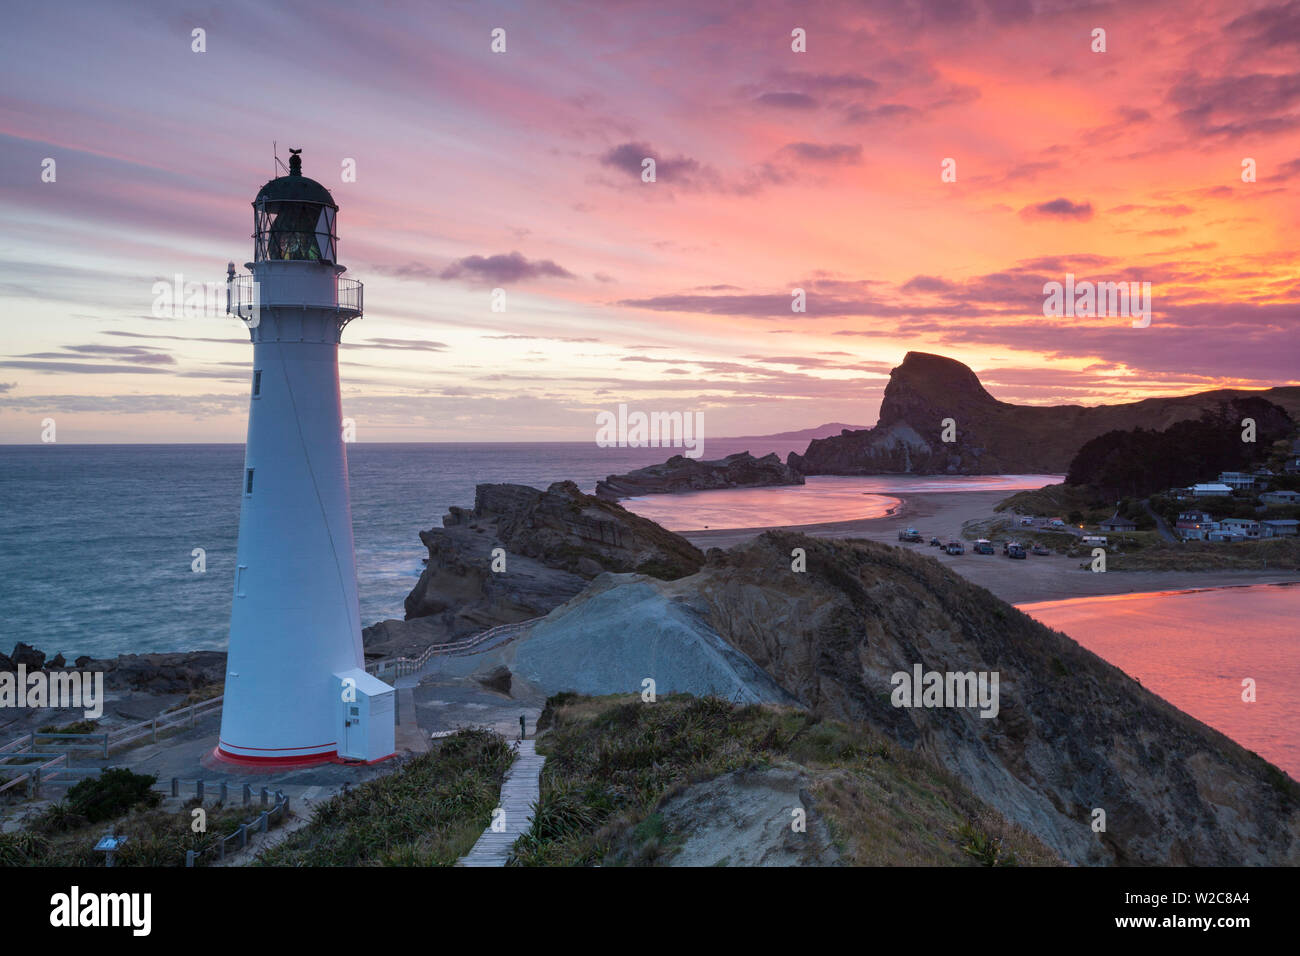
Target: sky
[775,170]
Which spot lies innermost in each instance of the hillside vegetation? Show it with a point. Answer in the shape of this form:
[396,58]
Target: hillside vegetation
[620,773]
[427,813]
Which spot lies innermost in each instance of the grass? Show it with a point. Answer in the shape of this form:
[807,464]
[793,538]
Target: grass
[63,837]
[1266,554]
[198,696]
[427,813]
[612,762]
[1057,501]
[76,727]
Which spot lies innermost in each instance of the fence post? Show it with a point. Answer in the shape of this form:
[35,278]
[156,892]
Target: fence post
[264,796]
[225,791]
[191,715]
[155,730]
[176,786]
[248,794]
[189,857]
[286,801]
[243,835]
[198,789]
[261,822]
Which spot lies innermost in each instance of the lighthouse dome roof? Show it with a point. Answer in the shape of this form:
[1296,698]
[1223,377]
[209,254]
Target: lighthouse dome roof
[295,187]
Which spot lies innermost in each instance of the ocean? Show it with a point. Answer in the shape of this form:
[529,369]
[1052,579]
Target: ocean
[96,540]
[1194,648]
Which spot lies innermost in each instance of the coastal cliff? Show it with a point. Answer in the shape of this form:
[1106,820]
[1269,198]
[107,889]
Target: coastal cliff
[679,474]
[991,437]
[1072,734]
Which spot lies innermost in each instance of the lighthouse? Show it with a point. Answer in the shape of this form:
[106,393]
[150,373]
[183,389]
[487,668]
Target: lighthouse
[296,688]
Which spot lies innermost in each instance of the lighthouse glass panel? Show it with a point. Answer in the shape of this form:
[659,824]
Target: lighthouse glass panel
[295,230]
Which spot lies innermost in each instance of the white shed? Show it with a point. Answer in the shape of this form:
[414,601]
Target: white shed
[367,716]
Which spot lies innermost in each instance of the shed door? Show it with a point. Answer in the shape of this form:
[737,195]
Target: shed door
[353,738]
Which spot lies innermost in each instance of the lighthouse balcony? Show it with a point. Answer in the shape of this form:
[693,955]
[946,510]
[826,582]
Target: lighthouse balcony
[246,295]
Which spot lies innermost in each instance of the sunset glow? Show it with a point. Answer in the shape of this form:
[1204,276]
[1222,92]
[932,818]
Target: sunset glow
[776,170]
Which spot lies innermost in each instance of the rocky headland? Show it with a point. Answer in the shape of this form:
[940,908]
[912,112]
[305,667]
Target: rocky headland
[679,474]
[544,545]
[990,436]
[1072,734]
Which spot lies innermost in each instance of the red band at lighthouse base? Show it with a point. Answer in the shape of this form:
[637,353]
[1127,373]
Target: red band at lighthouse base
[291,761]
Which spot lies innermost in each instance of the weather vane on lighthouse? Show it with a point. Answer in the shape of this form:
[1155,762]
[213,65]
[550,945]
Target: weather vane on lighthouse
[296,688]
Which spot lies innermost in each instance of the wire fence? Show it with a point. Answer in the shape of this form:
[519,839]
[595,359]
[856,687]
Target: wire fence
[236,840]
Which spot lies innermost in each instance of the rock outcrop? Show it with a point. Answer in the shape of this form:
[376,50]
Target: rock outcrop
[552,543]
[679,473]
[1072,733]
[991,437]
[170,673]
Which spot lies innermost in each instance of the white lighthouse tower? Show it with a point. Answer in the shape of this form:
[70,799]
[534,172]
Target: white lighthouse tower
[296,691]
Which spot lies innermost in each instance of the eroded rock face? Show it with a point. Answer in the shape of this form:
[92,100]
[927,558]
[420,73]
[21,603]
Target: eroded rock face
[679,473]
[1072,733]
[991,437]
[554,542]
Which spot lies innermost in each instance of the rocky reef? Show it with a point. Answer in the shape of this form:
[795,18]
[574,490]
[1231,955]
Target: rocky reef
[551,543]
[989,436]
[679,473]
[170,673]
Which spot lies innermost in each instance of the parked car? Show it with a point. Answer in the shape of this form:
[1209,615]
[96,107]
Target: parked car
[1039,549]
[954,547]
[936,543]
[1008,545]
[910,534]
[1015,551]
[983,546]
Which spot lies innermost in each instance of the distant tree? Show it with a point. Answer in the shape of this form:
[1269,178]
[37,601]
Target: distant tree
[1140,462]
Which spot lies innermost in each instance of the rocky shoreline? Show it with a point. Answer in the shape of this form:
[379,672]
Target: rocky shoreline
[681,474]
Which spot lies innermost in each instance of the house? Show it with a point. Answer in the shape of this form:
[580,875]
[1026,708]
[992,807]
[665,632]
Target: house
[1117,523]
[1242,527]
[1279,528]
[1211,490]
[1194,525]
[1237,480]
[1292,466]
[1280,498]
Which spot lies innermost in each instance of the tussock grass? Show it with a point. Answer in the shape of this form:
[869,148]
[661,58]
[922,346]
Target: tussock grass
[427,813]
[63,837]
[613,761]
[1266,554]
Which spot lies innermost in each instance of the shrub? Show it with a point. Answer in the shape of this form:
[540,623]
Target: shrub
[111,794]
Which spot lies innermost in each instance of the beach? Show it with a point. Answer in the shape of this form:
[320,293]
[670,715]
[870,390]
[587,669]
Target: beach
[1038,578]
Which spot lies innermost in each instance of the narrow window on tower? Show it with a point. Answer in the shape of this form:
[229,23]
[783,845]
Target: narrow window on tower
[257,382]
[248,482]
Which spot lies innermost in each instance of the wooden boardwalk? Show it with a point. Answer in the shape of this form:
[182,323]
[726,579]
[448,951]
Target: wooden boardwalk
[519,792]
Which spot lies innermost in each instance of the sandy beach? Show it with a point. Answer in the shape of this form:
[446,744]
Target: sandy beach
[1039,578]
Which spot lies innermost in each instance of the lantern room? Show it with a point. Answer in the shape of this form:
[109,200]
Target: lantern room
[294,219]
